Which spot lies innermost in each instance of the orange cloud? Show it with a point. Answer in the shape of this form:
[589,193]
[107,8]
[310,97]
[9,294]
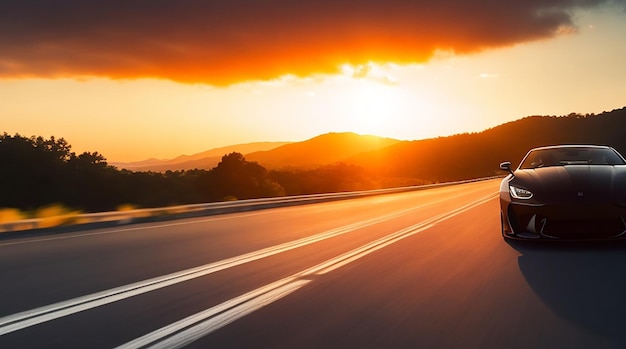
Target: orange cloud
[224,42]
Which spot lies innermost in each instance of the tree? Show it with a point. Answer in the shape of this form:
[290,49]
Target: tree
[32,167]
[236,177]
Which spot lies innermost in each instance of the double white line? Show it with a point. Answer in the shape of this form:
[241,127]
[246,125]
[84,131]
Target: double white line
[196,326]
[36,316]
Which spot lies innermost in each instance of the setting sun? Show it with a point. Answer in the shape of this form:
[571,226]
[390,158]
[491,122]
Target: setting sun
[374,109]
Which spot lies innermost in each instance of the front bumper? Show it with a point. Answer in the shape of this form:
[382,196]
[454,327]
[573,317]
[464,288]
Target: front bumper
[580,221]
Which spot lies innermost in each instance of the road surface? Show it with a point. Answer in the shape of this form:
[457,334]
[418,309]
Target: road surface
[423,269]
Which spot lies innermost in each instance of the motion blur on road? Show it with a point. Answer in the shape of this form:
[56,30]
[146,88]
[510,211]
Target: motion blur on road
[422,269]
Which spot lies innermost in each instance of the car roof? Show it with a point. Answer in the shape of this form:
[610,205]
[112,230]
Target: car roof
[565,146]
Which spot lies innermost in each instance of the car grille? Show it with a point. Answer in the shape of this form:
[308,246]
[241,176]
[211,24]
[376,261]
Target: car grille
[570,221]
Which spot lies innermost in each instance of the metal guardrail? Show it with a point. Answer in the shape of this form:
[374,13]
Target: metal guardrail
[194,210]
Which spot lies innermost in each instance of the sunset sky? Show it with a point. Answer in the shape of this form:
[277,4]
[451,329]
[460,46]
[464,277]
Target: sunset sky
[152,78]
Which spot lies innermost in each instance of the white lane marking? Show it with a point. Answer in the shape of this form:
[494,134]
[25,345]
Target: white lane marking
[194,327]
[18,321]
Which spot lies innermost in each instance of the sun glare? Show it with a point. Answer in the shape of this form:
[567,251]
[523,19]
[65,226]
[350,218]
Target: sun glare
[371,106]
[371,100]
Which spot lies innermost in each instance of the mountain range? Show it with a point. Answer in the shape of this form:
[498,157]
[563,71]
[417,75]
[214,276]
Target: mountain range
[461,156]
[204,160]
[318,151]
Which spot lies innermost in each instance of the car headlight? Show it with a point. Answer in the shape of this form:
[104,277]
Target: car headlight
[520,193]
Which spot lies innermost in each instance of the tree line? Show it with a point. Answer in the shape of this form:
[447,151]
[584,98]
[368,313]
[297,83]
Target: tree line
[37,172]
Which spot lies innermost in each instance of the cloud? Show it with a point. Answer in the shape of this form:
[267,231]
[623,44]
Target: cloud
[371,72]
[225,42]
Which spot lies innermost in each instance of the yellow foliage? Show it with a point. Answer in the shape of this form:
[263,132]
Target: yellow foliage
[10,215]
[55,215]
[126,207]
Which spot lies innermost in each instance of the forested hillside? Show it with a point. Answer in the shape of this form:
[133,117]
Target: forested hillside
[478,154]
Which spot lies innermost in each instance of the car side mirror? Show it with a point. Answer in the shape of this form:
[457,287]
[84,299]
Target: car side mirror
[506,166]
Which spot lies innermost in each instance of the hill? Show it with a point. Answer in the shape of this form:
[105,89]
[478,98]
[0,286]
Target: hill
[319,151]
[475,155]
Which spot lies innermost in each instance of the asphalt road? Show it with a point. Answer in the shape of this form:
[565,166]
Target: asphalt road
[425,269]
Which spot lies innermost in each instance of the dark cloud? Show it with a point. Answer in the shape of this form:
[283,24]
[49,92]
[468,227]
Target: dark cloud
[222,42]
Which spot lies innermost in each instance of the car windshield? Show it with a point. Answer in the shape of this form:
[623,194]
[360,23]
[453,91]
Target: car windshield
[571,156]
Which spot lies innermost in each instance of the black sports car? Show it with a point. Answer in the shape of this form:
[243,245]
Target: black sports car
[565,192]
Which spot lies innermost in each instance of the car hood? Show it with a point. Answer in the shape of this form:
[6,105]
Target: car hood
[574,183]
